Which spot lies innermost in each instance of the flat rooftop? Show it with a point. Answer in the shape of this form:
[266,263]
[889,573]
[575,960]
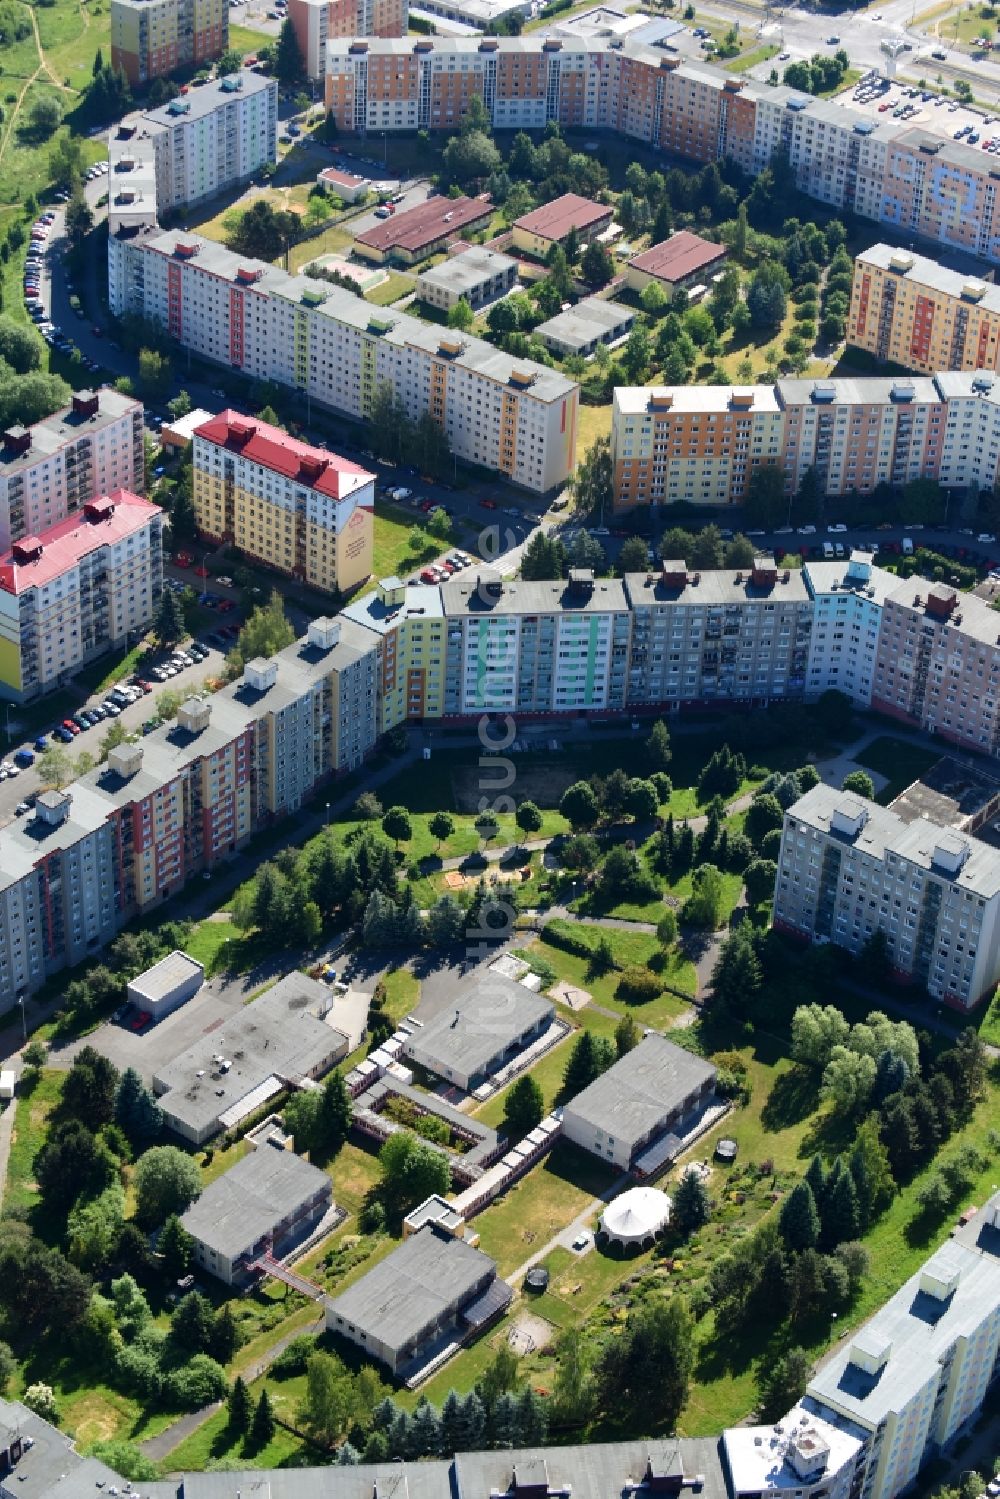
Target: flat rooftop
[637,1092]
[593,317]
[763,1458]
[425,224]
[413,1287]
[163,978]
[738,400]
[208,97]
[279,1034]
[486,1018]
[484,594]
[950,794]
[88,413]
[466,270]
[251,1198]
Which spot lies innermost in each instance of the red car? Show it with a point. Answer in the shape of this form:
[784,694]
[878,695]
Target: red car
[140,1020]
[427,575]
[182,559]
[73,728]
[146,686]
[487,504]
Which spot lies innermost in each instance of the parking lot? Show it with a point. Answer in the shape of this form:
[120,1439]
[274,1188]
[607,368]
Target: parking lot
[38,274]
[925,109]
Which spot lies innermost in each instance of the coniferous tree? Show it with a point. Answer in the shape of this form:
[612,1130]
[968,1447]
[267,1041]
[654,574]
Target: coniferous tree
[799,1218]
[240,1407]
[262,1427]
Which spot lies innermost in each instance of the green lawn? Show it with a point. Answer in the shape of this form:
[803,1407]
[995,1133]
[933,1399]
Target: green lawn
[30,1125]
[541,1204]
[752,59]
[397,285]
[629,948]
[402,993]
[897,759]
[392,552]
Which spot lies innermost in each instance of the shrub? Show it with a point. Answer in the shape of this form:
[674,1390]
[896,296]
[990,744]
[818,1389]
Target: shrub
[291,1361]
[638,986]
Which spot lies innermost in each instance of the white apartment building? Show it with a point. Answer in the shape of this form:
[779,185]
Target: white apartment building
[507,414]
[48,471]
[856,434]
[849,868]
[913,1377]
[801,1457]
[203,142]
[123,837]
[76,590]
[848,600]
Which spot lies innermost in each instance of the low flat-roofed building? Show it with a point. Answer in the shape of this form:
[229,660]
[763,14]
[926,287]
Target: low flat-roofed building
[477,274]
[536,232]
[580,329]
[643,1098]
[177,434]
[484,1030]
[264,1205]
[433,1289]
[278,1039]
[682,260]
[344,185]
[412,235]
[166,986]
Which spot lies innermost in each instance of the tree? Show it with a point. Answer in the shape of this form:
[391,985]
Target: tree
[642,802]
[579,805]
[175,1246]
[265,633]
[860,782]
[461,315]
[79,219]
[289,64]
[648,1365]
[524,1107]
[691,1206]
[469,158]
[191,1324]
[43,119]
[589,1058]
[54,767]
[816,1031]
[93,1227]
[168,626]
[848,1080]
[781,1382]
[136,1110]
[71,1163]
[18,347]
[445,921]
[166,1181]
[440,827]
[528,817]
[593,481]
[704,906]
[411,1171]
[262,1426]
[758,878]
[596,265]
[798,1220]
[396,825]
[841,1215]
[573,1392]
[766,295]
[41,1399]
[90,1088]
[764,815]
[239,1407]
[765,503]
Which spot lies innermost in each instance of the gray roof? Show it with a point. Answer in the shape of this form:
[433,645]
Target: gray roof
[414,1287]
[400,328]
[248,1200]
[641,1089]
[487,1018]
[469,269]
[277,1034]
[884,831]
[593,317]
[208,97]
[923,271]
[723,587]
[465,596]
[163,978]
[948,1298]
[64,426]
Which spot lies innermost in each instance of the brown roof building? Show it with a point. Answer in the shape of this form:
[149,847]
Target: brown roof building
[411,236]
[538,231]
[682,260]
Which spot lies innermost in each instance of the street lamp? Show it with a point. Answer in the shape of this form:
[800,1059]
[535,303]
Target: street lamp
[24,1023]
[833,1326]
[327,823]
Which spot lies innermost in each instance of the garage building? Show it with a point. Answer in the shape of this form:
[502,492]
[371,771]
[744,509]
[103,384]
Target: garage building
[166,986]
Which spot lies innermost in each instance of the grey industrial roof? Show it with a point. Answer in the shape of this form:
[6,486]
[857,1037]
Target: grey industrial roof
[277,1034]
[641,1089]
[486,1018]
[862,390]
[884,831]
[63,426]
[413,1287]
[591,318]
[915,1327]
[422,600]
[247,1201]
[834,577]
[164,976]
[645,590]
[923,271]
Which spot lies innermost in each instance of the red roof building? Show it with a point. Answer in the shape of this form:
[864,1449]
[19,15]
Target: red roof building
[681,260]
[35,561]
[538,231]
[274,449]
[418,232]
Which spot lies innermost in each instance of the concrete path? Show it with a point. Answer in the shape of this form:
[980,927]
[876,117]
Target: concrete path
[565,1236]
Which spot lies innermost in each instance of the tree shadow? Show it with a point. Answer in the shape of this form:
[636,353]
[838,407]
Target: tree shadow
[791,1100]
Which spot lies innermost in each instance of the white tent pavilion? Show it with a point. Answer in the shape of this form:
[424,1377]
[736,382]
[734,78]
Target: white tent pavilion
[636,1217]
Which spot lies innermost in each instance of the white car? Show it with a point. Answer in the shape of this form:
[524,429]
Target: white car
[807,531]
[836,528]
[986,537]
[782,531]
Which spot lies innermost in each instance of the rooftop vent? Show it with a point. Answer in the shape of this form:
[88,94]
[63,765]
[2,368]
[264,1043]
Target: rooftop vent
[849,817]
[324,633]
[86,403]
[52,807]
[125,759]
[195,715]
[260,674]
[17,439]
